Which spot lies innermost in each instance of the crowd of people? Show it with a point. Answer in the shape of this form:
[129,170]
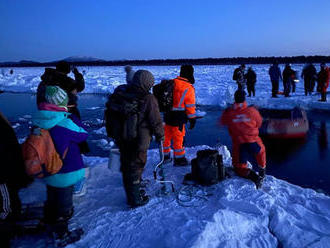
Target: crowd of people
[289,77]
[132,118]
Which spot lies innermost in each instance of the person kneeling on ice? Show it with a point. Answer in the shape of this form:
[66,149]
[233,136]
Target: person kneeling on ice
[243,124]
[132,117]
[67,132]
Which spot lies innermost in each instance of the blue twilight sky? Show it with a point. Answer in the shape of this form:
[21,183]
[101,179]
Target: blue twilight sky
[45,30]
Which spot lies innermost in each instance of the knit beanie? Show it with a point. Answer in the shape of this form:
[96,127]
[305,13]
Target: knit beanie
[55,95]
[239,96]
[187,71]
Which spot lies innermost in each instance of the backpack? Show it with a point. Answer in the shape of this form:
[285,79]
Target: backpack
[39,154]
[235,75]
[164,95]
[207,168]
[122,116]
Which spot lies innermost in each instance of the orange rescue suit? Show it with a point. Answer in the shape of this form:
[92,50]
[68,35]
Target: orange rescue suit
[184,103]
[243,124]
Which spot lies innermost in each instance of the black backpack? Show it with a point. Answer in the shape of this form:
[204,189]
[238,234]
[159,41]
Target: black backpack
[122,116]
[207,168]
[164,95]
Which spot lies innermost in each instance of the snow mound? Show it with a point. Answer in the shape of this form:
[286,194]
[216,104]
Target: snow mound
[231,213]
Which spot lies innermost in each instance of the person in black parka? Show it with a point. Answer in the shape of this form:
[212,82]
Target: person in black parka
[288,77]
[251,79]
[309,75]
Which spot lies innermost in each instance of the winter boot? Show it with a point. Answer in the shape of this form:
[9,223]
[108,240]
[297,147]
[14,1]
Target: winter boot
[80,188]
[69,237]
[180,161]
[136,198]
[254,177]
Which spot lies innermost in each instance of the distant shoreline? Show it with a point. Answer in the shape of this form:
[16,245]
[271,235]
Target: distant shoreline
[169,62]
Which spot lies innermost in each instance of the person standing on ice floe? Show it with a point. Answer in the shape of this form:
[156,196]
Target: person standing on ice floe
[288,77]
[183,110]
[309,75]
[239,77]
[67,132]
[129,79]
[12,178]
[323,78]
[129,74]
[275,77]
[243,124]
[251,79]
[132,116]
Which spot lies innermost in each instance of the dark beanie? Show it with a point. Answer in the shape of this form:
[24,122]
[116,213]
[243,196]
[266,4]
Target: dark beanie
[239,96]
[187,71]
[63,66]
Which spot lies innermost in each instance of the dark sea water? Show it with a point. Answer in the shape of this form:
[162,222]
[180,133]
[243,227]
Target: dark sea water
[303,162]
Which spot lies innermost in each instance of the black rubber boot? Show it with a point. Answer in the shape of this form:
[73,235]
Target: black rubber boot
[180,161]
[254,177]
[167,158]
[136,197]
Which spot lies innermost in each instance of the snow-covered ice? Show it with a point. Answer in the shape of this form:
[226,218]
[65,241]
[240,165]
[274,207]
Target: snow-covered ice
[214,84]
[230,214]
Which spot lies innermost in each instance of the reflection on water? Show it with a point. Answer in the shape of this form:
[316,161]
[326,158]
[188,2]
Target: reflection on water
[279,150]
[304,162]
[323,140]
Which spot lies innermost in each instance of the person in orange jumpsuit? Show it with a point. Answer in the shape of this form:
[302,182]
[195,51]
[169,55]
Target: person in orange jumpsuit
[183,110]
[243,125]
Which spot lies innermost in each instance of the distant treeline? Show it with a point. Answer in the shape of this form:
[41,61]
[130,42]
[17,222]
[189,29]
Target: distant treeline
[204,61]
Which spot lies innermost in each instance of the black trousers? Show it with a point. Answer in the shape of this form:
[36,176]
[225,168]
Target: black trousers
[287,87]
[10,209]
[59,208]
[275,86]
[251,89]
[309,85]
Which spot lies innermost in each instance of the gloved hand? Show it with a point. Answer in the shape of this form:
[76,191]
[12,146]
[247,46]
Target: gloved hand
[160,139]
[75,70]
[192,123]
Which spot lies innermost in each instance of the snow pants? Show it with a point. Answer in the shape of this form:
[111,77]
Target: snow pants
[240,153]
[132,165]
[59,208]
[173,133]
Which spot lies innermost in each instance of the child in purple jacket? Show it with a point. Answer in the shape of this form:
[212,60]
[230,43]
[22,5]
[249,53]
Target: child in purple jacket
[67,132]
